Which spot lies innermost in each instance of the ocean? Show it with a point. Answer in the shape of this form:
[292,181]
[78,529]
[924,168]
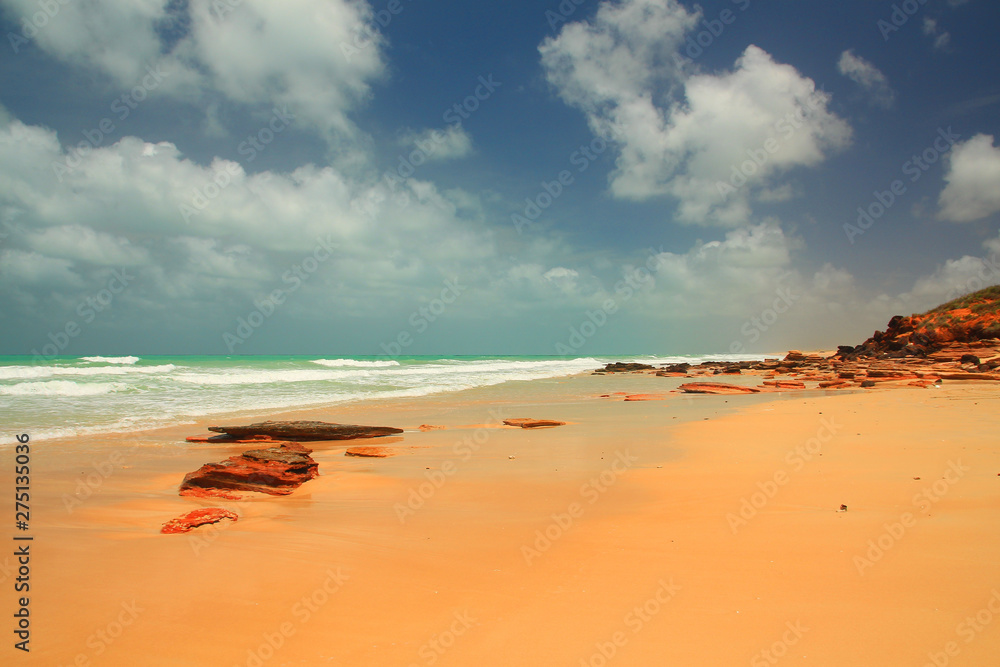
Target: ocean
[67,396]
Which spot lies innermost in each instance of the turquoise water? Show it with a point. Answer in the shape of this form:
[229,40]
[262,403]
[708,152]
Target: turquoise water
[65,396]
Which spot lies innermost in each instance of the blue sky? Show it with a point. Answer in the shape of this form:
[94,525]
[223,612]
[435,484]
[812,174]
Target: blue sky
[638,176]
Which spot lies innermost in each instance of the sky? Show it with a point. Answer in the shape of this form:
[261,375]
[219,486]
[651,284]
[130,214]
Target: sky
[408,177]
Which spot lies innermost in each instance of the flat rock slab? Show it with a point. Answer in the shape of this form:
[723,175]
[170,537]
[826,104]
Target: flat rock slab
[716,388]
[305,431]
[276,471]
[370,452]
[968,376]
[525,422]
[645,397]
[785,384]
[228,438]
[195,518]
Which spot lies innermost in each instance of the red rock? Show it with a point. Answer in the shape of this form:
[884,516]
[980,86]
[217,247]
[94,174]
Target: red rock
[276,471]
[428,427]
[968,376]
[228,438]
[370,452]
[716,388]
[306,430]
[645,397]
[785,384]
[833,384]
[525,422]
[195,518]
[920,383]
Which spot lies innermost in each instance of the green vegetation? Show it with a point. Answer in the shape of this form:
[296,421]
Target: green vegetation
[984,302]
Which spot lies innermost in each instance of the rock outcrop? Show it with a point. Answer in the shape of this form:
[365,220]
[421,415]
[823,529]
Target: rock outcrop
[968,320]
[370,452]
[276,471]
[959,340]
[525,422]
[716,388]
[195,518]
[303,431]
[622,367]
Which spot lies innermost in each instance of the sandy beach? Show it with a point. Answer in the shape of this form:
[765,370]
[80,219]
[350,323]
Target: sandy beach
[700,530]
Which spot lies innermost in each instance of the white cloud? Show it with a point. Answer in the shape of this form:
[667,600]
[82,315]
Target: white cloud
[941,37]
[288,53]
[82,244]
[254,52]
[973,176]
[621,70]
[449,144]
[118,37]
[624,52]
[121,206]
[869,77]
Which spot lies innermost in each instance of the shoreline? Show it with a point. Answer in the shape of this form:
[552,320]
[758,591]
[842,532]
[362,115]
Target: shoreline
[537,547]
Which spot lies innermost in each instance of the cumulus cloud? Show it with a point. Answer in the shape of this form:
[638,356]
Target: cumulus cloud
[973,177]
[253,52]
[217,236]
[869,77]
[712,141]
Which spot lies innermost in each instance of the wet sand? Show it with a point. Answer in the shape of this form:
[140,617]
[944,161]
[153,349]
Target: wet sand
[689,530]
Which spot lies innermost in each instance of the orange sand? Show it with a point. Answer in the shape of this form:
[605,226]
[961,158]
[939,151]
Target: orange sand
[439,555]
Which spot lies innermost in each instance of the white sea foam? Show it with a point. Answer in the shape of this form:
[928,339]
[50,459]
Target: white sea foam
[30,372]
[110,360]
[75,398]
[61,388]
[351,363]
[262,377]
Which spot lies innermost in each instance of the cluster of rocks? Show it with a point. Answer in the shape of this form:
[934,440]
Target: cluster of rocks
[278,466]
[974,360]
